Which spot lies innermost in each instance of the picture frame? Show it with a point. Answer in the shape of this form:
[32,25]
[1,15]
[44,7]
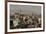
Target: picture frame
[8,3]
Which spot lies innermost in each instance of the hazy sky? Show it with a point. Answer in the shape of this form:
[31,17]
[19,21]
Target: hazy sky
[25,9]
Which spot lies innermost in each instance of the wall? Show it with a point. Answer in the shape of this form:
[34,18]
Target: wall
[2,19]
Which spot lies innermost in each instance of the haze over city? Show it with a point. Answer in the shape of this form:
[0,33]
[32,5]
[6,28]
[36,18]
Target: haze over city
[25,9]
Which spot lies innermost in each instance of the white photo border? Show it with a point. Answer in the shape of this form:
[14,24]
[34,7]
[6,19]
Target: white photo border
[8,18]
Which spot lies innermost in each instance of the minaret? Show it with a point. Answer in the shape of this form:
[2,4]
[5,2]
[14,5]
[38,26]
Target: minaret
[20,11]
